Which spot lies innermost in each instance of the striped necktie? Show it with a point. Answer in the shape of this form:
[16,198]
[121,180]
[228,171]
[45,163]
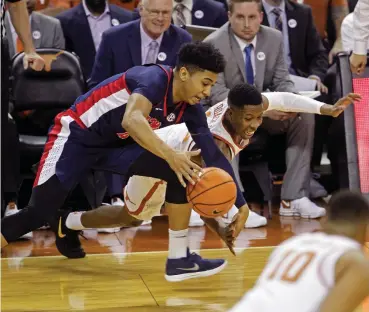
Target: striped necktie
[151,54]
[181,19]
[278,19]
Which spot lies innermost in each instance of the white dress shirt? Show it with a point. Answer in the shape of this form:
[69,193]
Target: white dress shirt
[347,29]
[145,43]
[361,27]
[98,24]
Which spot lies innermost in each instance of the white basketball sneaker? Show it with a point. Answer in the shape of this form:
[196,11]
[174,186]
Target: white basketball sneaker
[195,219]
[302,207]
[253,221]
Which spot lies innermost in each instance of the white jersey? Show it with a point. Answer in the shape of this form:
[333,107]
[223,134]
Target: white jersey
[178,137]
[298,275]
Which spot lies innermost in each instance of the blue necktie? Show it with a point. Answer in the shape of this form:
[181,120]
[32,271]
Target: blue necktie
[249,69]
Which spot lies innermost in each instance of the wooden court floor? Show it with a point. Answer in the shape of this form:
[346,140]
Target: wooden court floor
[125,271]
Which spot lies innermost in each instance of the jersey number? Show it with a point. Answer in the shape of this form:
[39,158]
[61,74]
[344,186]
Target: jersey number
[294,264]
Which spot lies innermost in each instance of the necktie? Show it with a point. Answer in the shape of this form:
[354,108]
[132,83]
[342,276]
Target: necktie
[19,46]
[151,54]
[278,19]
[249,69]
[181,20]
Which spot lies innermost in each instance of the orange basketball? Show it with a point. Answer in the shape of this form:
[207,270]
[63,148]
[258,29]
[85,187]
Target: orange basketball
[213,194]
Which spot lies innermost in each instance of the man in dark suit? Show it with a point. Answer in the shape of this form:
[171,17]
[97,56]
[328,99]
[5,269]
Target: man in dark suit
[128,45]
[84,25]
[304,51]
[208,13]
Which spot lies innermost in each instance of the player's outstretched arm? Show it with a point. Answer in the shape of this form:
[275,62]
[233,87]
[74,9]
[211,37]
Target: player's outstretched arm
[351,284]
[136,124]
[290,102]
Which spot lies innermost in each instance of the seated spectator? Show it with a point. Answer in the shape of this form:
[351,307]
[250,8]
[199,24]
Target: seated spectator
[255,54]
[304,52]
[152,39]
[84,25]
[46,31]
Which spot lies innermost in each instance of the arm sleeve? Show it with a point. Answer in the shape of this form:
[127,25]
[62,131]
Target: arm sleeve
[149,81]
[290,102]
[196,123]
[361,27]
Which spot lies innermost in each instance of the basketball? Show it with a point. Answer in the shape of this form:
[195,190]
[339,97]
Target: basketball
[213,194]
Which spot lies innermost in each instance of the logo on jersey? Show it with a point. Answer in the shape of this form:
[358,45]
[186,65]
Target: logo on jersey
[153,122]
[171,117]
[217,112]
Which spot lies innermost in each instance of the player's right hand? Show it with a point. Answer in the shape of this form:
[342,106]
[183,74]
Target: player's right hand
[182,165]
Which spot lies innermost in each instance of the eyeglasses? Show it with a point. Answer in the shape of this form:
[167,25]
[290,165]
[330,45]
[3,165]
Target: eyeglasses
[155,13]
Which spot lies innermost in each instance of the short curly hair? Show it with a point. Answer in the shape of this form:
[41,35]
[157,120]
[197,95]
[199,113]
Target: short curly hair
[244,94]
[200,56]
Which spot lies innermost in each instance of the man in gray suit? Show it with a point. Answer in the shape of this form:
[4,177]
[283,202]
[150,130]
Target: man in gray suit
[46,31]
[254,54]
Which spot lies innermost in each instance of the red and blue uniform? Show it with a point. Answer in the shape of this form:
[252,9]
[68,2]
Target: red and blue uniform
[90,135]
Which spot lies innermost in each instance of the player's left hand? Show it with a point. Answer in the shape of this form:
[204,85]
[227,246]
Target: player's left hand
[33,60]
[336,109]
[239,220]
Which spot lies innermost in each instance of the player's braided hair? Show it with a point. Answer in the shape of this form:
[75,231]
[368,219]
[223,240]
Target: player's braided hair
[199,55]
[244,94]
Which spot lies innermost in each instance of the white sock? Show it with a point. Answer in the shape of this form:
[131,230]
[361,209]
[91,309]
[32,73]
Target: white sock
[178,244]
[73,221]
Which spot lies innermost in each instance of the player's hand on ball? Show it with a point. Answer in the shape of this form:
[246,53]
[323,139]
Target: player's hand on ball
[182,165]
[239,220]
[336,109]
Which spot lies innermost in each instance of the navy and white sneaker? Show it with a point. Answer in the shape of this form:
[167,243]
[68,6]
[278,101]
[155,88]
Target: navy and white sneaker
[192,266]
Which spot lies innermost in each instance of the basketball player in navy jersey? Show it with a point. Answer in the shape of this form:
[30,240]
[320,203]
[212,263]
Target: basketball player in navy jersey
[97,132]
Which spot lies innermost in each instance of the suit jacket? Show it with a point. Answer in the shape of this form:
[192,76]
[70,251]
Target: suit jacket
[120,49]
[308,55]
[46,32]
[208,13]
[78,36]
[270,67]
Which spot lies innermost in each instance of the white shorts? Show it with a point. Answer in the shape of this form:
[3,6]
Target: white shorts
[144,196]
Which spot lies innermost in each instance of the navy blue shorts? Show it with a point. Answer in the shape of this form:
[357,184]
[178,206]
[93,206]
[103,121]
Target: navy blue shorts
[150,165]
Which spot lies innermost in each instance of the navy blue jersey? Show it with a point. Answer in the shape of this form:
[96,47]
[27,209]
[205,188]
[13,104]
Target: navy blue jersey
[101,111]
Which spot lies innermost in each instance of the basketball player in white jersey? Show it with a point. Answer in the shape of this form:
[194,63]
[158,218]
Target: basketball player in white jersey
[321,271]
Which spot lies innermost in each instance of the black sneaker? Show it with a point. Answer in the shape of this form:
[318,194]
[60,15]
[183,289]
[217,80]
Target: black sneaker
[66,240]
